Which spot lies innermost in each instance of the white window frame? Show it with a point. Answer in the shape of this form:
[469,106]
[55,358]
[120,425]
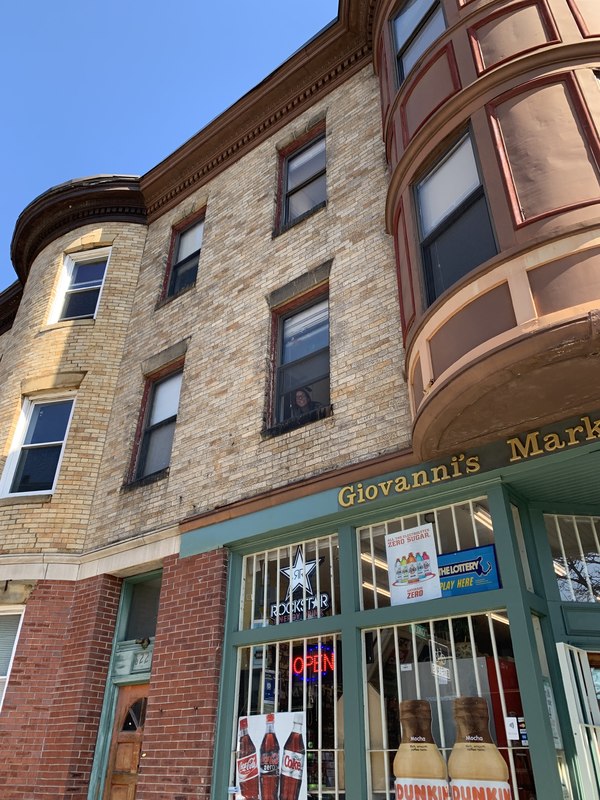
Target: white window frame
[69,263]
[6,611]
[12,460]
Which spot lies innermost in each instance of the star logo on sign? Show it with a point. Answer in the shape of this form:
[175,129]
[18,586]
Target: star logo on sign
[299,573]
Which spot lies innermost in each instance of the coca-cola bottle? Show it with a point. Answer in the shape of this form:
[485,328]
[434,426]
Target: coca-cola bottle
[247,763]
[269,762]
[292,764]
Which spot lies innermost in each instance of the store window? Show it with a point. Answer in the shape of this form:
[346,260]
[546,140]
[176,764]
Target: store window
[575,545]
[304,183]
[10,623]
[80,285]
[417,25]
[160,417]
[185,257]
[33,464]
[300,681]
[456,230]
[457,669]
[462,528]
[289,718]
[301,392]
[291,583]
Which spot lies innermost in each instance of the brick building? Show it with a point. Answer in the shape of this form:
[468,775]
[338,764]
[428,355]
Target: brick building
[323,459]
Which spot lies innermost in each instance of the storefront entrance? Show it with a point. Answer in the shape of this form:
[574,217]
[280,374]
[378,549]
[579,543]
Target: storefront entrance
[581,675]
[126,744]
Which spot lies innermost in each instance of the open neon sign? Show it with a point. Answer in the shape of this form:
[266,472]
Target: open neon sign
[319,660]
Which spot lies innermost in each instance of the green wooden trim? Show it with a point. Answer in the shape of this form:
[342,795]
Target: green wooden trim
[109,704]
[529,673]
[227,688]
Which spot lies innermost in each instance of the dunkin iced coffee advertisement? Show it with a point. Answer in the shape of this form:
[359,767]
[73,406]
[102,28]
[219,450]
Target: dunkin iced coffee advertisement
[271,757]
[412,565]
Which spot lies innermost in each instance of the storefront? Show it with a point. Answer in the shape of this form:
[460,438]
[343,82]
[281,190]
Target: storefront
[338,615]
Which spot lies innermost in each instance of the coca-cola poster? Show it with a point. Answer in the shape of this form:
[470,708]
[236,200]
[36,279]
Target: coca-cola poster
[412,565]
[271,756]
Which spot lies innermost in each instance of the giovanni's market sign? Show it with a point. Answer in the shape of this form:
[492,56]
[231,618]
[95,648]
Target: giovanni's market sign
[521,447]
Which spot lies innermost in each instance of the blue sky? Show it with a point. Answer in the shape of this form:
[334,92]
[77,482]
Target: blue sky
[114,86]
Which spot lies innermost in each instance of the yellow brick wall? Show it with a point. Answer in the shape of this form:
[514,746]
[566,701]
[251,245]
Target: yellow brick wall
[34,350]
[219,455]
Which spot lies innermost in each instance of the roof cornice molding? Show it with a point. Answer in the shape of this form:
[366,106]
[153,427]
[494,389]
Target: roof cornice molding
[333,56]
[102,198]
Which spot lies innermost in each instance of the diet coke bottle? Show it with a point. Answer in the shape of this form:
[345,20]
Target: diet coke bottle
[292,765]
[247,763]
[269,762]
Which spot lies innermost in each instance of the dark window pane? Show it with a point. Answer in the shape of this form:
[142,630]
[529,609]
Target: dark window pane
[305,199]
[467,242]
[158,449]
[304,401]
[36,469]
[143,610]
[48,422]
[136,716]
[80,304]
[88,273]
[303,166]
[184,274]
[304,372]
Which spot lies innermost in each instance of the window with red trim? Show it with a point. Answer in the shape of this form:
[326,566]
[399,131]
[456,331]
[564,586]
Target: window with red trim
[185,255]
[301,368]
[303,180]
[158,430]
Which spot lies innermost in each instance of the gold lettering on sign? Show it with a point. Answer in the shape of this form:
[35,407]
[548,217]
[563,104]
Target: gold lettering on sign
[534,444]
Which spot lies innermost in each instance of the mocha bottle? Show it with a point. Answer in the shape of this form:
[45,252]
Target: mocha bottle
[475,762]
[419,767]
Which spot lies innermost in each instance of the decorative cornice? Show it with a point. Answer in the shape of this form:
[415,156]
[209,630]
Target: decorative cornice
[326,61]
[10,299]
[101,198]
[333,56]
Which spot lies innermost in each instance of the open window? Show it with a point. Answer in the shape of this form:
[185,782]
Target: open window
[301,385]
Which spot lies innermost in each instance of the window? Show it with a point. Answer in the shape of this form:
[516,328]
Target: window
[575,545]
[81,285]
[456,231]
[305,187]
[416,27]
[10,623]
[32,466]
[159,429]
[302,374]
[185,256]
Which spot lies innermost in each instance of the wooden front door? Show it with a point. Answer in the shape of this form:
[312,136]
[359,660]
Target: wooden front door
[126,743]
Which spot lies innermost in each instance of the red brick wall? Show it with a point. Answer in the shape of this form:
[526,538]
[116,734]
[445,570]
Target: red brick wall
[180,723]
[49,720]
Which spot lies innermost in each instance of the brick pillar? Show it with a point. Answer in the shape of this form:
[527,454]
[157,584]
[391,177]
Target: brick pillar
[49,721]
[179,733]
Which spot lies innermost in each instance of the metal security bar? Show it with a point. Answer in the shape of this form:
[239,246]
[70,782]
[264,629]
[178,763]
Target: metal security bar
[291,583]
[456,527]
[300,675]
[438,661]
[576,555]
